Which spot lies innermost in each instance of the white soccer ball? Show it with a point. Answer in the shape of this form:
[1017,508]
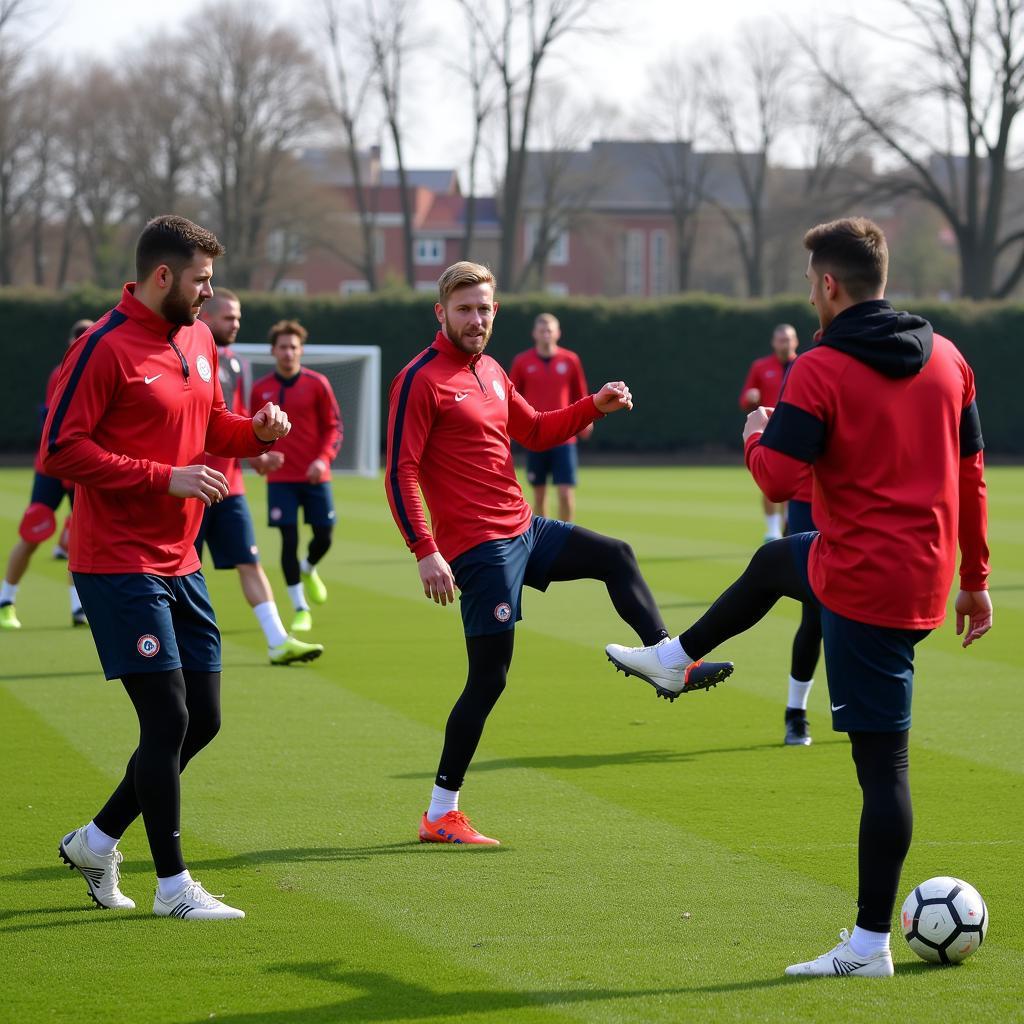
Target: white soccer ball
[944,920]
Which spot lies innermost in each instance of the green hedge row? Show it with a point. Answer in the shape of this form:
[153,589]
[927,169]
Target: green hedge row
[684,358]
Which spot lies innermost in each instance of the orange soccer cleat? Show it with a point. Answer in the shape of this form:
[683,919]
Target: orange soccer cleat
[453,827]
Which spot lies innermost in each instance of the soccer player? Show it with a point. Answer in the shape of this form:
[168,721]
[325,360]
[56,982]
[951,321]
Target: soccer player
[137,404]
[453,411]
[303,480]
[551,377]
[40,521]
[227,526]
[884,409]
[761,388]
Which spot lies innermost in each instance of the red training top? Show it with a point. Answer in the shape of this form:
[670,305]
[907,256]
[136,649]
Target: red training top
[317,430]
[450,421]
[136,397]
[229,373]
[51,383]
[549,383]
[885,411]
[765,374]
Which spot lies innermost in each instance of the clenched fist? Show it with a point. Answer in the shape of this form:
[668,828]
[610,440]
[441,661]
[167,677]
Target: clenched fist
[271,423]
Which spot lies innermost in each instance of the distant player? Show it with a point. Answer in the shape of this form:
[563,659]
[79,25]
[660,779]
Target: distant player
[453,411]
[227,526]
[137,404]
[884,409]
[303,479]
[551,377]
[39,522]
[761,388]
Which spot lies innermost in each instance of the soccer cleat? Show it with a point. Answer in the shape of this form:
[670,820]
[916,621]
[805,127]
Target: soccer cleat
[196,904]
[798,732]
[293,650]
[9,617]
[59,553]
[453,827]
[643,662]
[314,586]
[101,873]
[303,621]
[842,962]
[79,618]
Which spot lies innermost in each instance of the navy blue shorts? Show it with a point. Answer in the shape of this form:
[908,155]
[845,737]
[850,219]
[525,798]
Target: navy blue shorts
[227,531]
[492,575]
[142,623]
[285,500]
[870,668]
[557,463]
[49,491]
[798,517]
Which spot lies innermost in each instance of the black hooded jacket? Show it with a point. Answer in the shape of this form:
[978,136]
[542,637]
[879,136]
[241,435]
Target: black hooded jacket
[893,343]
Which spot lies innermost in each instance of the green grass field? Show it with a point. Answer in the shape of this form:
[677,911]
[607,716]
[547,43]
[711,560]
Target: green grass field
[660,862]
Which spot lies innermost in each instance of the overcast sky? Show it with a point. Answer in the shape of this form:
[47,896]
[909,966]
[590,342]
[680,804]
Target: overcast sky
[610,66]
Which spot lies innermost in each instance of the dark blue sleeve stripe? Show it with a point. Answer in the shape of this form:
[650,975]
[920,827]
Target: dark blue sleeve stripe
[396,443]
[794,432]
[114,321]
[971,441]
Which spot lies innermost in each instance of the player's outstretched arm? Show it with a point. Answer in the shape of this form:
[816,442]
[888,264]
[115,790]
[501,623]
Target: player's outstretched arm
[437,578]
[613,397]
[973,610]
[539,431]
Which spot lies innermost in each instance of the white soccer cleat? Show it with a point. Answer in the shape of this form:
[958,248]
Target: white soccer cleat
[196,904]
[842,962]
[101,873]
[644,663]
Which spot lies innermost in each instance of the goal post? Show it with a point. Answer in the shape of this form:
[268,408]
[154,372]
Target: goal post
[354,374]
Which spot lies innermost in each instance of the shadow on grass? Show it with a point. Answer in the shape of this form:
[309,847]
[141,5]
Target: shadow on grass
[379,997]
[96,673]
[625,759]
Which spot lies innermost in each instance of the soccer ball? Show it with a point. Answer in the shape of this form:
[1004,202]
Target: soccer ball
[944,920]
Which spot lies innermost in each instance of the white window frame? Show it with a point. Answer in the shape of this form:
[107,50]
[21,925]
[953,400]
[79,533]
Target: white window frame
[634,251]
[659,262]
[291,286]
[357,286]
[432,257]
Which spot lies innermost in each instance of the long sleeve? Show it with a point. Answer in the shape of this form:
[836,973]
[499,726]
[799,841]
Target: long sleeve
[412,408]
[539,431]
[332,429]
[750,382]
[973,529]
[87,385]
[578,387]
[779,476]
[228,434]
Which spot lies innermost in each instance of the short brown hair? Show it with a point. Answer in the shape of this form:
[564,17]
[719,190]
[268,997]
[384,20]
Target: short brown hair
[854,251]
[461,274]
[173,241]
[78,328]
[548,318]
[287,327]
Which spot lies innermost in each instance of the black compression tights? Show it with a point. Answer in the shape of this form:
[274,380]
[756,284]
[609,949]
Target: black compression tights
[318,547]
[179,713]
[886,823]
[806,643]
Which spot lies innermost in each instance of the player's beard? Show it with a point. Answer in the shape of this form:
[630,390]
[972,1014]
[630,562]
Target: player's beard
[177,309]
[469,344]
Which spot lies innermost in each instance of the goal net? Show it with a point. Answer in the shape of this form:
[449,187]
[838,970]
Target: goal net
[354,373]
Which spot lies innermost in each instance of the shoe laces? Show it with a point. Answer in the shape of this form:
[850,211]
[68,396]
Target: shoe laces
[458,818]
[195,892]
[114,867]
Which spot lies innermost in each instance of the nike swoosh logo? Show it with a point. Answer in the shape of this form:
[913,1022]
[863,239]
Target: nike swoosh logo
[149,380]
[461,395]
[838,707]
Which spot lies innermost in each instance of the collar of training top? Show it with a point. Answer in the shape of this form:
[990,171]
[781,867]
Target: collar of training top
[445,345]
[142,314]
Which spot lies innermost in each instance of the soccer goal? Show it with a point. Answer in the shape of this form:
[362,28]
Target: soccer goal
[354,373]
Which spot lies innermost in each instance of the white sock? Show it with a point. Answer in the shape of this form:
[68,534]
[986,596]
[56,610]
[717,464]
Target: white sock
[270,622]
[305,567]
[8,592]
[441,802]
[298,596]
[171,886]
[798,693]
[76,601]
[773,525]
[865,943]
[98,841]
[672,655]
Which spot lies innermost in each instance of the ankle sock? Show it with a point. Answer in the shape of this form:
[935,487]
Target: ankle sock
[98,841]
[441,802]
[798,693]
[270,622]
[865,943]
[173,884]
[672,655]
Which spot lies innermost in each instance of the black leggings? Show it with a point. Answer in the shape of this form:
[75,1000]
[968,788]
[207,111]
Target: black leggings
[806,643]
[318,547]
[586,555]
[179,713]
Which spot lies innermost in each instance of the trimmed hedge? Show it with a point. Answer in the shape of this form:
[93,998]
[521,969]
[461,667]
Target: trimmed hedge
[684,358]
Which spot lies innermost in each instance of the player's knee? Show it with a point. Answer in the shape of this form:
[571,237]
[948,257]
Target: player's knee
[623,555]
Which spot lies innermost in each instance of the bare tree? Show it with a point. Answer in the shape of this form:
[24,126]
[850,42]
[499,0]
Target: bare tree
[518,41]
[747,101]
[346,81]
[258,97]
[965,95]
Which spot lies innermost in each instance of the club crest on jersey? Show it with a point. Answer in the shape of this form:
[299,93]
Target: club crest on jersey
[236,366]
[562,368]
[148,645]
[203,366]
[499,389]
[503,612]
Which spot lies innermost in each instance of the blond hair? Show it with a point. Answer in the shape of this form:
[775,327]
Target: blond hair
[462,274]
